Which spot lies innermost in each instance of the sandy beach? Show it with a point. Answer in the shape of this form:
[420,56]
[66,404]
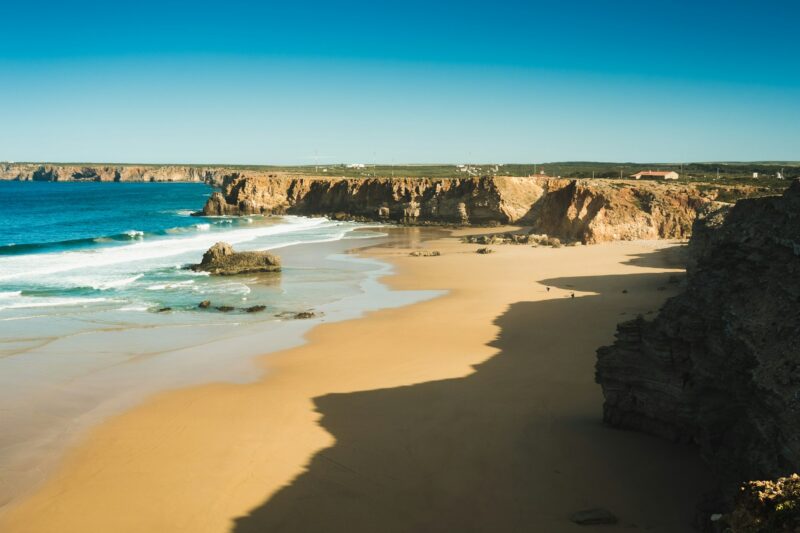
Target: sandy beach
[473,411]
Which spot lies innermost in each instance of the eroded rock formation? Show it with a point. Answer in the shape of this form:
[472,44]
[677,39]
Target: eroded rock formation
[222,260]
[456,200]
[584,210]
[720,365]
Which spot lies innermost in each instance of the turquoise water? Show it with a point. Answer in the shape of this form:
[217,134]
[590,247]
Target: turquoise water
[68,248]
[85,269]
[47,216]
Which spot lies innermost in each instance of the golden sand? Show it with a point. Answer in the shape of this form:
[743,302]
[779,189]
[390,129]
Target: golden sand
[475,411]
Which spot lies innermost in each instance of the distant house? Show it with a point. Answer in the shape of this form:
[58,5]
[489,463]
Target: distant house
[671,175]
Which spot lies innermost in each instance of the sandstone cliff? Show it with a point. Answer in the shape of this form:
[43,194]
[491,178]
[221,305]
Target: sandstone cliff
[720,365]
[573,210]
[149,173]
[585,210]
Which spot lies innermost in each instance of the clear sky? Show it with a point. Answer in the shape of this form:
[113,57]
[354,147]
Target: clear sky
[399,81]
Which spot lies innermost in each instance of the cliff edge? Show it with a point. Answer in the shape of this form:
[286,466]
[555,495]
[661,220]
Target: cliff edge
[577,210]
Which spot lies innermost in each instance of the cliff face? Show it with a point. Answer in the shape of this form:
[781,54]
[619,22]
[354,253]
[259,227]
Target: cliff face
[720,365]
[34,172]
[597,211]
[589,211]
[470,200]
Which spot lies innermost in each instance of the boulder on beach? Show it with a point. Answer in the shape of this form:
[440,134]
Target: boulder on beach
[222,260]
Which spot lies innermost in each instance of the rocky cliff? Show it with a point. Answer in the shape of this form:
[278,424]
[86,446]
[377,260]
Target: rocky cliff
[573,210]
[165,173]
[720,365]
[585,210]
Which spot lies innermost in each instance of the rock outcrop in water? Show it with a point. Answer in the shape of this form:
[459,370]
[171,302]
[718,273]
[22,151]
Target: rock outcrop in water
[584,210]
[720,365]
[222,260]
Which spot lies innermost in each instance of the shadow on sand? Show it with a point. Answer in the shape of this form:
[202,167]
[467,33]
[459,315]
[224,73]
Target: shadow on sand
[515,446]
[667,257]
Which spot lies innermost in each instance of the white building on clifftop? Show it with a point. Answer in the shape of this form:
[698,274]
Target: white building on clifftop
[667,175]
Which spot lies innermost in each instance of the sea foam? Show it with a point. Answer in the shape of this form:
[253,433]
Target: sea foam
[30,267]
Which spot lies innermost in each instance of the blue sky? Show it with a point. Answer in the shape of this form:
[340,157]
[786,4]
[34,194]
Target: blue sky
[411,81]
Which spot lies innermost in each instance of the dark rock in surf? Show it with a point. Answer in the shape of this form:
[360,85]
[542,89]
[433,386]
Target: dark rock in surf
[222,260]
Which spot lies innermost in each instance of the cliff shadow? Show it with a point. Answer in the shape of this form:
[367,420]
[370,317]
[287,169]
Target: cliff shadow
[668,257]
[515,446]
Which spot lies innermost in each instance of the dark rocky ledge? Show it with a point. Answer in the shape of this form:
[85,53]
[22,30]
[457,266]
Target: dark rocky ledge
[719,366]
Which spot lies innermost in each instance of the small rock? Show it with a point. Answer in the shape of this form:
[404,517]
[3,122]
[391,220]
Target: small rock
[164,309]
[624,291]
[484,251]
[593,517]
[305,314]
[205,304]
[255,308]
[425,253]
[224,308]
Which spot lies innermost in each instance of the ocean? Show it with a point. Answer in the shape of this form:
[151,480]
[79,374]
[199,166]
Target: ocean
[98,309]
[71,248]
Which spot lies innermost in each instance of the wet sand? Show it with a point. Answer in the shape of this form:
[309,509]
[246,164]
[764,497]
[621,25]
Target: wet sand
[475,411]
[52,394]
